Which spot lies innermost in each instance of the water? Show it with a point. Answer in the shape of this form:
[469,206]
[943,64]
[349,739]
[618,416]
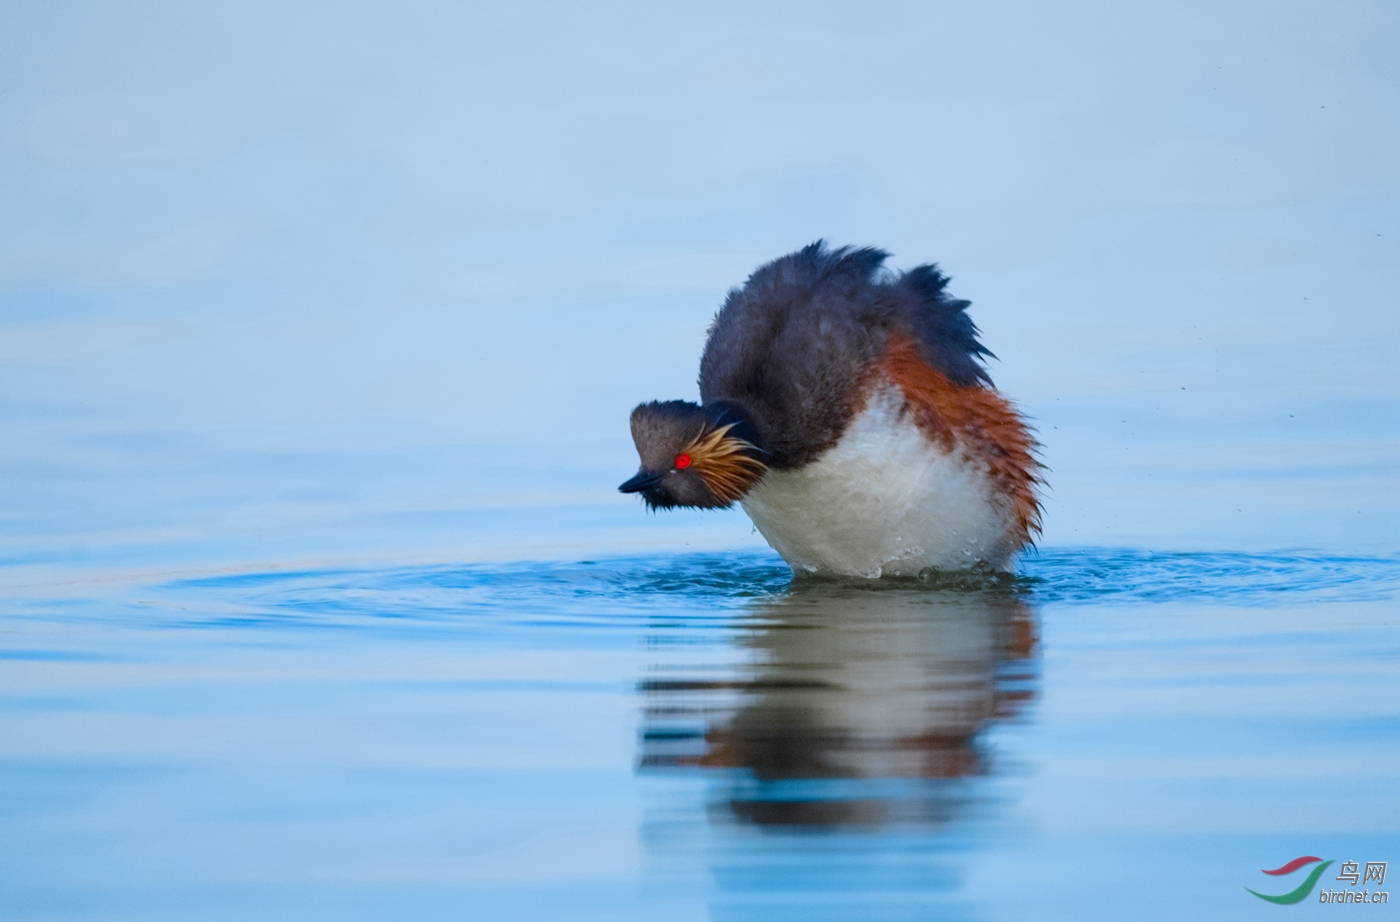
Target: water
[696,736]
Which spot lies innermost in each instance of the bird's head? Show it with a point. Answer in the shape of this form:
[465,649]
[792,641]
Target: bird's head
[705,457]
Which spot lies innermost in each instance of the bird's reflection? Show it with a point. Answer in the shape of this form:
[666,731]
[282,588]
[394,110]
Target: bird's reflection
[854,706]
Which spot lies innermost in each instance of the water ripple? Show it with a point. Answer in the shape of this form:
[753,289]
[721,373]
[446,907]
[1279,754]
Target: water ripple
[716,587]
[1109,575]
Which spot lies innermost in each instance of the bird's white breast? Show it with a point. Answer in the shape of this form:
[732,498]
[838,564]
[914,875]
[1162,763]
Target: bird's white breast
[885,500]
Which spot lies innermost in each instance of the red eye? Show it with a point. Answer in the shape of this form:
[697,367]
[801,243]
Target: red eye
[682,462]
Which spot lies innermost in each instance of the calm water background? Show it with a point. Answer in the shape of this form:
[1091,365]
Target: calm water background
[318,332]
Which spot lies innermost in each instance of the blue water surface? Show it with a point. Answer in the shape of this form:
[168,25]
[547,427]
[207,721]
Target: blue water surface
[698,736]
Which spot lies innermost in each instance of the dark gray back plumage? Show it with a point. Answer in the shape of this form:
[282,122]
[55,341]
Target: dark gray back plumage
[791,346]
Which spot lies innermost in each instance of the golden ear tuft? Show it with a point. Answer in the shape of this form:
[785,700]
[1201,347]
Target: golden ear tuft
[726,463]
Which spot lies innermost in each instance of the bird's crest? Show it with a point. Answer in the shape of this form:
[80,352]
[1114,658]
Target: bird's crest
[728,464]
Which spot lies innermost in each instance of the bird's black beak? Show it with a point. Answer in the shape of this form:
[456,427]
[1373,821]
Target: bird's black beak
[643,481]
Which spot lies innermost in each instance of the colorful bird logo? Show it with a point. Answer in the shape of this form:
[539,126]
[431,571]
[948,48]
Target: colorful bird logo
[1303,889]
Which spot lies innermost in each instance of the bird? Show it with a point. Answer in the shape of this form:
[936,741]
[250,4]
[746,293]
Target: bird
[848,409]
